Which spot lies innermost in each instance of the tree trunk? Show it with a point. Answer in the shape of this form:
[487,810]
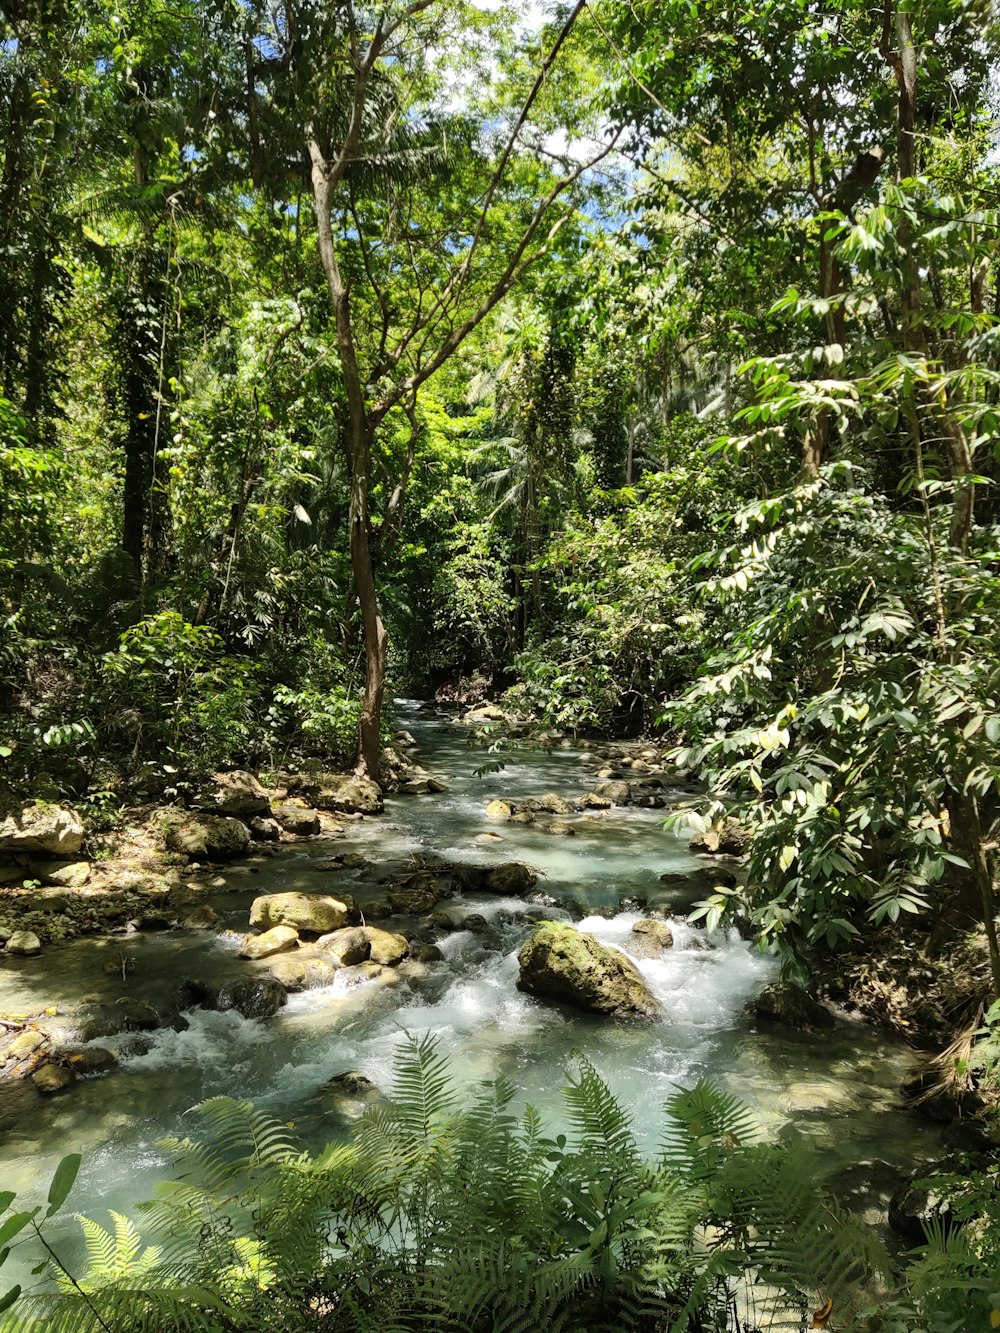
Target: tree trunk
[359,437]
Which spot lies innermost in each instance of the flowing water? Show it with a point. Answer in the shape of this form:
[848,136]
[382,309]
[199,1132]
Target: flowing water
[839,1088]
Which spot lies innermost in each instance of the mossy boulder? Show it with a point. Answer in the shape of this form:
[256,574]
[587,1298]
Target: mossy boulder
[310,914]
[346,792]
[51,1079]
[210,837]
[561,963]
[728,838]
[385,946]
[553,804]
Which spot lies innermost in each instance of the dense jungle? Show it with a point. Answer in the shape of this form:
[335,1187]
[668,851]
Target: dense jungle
[499,666]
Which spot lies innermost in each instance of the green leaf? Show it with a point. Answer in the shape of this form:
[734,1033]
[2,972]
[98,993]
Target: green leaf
[63,1181]
[8,1298]
[13,1225]
[7,1197]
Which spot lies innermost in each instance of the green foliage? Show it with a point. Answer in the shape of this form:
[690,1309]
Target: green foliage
[467,1216]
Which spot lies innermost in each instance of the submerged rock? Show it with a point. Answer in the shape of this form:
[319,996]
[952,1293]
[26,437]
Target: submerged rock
[210,837]
[85,1061]
[559,962]
[788,1004]
[313,914]
[352,1084]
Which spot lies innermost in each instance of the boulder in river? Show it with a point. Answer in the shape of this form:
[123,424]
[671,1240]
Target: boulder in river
[234,793]
[279,939]
[303,970]
[210,837]
[345,792]
[650,938]
[301,820]
[512,878]
[499,810]
[265,829]
[559,962]
[51,1079]
[87,1061]
[729,838]
[24,944]
[788,1004]
[54,830]
[592,801]
[418,893]
[385,946]
[312,914]
[616,790]
[253,997]
[551,803]
[347,946]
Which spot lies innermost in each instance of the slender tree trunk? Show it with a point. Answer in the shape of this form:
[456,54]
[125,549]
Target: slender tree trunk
[358,449]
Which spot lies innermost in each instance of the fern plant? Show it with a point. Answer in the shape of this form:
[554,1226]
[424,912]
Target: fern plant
[467,1219]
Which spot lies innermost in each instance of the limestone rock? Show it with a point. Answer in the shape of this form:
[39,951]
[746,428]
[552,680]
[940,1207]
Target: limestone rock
[302,970]
[553,804]
[24,1044]
[437,785]
[524,817]
[346,792]
[788,1004]
[561,963]
[65,875]
[265,829]
[559,828]
[618,792]
[210,837]
[253,997]
[51,1079]
[499,810]
[426,953]
[925,1201]
[592,801]
[385,946]
[202,918]
[312,914]
[279,939]
[54,830]
[301,820]
[24,944]
[235,793]
[346,947]
[729,838]
[650,938]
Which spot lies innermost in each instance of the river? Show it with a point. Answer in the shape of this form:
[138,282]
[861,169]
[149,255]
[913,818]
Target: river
[839,1088]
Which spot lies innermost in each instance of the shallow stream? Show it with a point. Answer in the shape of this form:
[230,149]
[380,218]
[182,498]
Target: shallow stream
[840,1088]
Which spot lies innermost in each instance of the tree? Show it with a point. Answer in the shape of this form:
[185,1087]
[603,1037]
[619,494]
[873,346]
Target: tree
[427,271]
